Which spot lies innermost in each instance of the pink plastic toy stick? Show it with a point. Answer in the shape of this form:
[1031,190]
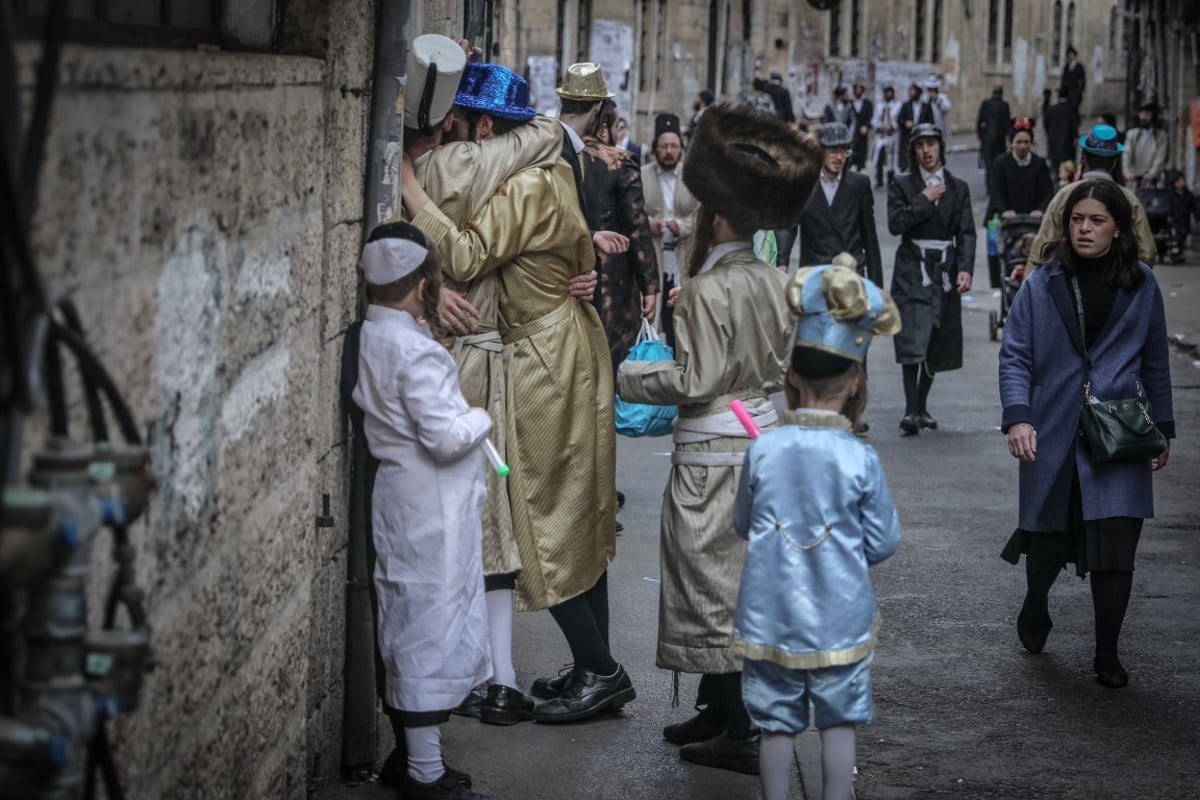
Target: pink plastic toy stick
[739,411]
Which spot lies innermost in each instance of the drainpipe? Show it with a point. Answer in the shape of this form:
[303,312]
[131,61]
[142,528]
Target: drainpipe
[359,741]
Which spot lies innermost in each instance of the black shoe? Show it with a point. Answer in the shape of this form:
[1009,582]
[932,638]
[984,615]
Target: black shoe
[585,695]
[724,752]
[620,500]
[909,425]
[505,706]
[696,729]
[1033,633]
[550,688]
[620,527]
[472,705]
[1109,672]
[926,421]
[861,428]
[447,787]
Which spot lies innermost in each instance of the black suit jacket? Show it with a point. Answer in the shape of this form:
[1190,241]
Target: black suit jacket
[846,226]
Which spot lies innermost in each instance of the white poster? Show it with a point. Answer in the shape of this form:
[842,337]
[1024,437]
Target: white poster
[1020,62]
[543,80]
[612,49]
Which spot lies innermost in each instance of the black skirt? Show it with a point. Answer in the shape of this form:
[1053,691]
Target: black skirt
[1099,545]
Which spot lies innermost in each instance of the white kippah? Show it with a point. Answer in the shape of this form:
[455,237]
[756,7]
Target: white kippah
[386,261]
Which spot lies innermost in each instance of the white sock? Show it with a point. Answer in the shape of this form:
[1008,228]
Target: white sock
[775,756]
[425,753]
[837,762]
[500,625]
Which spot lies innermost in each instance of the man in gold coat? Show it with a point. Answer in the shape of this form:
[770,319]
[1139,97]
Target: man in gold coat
[558,421]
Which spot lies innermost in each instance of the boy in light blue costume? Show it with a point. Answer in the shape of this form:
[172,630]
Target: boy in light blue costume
[814,504]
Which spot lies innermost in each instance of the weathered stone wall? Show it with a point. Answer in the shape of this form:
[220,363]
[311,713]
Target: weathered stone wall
[205,211]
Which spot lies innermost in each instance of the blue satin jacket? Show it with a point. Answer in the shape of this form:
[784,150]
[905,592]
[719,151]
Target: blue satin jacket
[814,504]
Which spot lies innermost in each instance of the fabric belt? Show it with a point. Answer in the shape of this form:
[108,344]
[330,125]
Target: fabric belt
[691,430]
[538,325]
[721,404]
[935,253]
[487,340]
[686,459]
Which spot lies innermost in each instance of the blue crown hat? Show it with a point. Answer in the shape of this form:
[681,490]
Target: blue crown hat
[1102,141]
[839,311]
[495,90]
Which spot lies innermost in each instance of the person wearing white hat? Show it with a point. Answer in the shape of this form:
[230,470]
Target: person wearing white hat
[432,621]
[559,427]
[435,66]
[939,104]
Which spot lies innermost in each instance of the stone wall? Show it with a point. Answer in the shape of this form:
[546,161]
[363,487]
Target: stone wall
[205,211]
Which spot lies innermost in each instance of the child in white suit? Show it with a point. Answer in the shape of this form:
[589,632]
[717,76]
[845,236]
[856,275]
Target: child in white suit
[814,504]
[425,508]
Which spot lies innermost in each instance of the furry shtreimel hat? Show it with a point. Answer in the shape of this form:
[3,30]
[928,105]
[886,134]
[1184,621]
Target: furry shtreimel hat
[751,168]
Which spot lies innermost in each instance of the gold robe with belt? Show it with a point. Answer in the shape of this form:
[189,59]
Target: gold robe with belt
[460,178]
[561,442]
[733,338]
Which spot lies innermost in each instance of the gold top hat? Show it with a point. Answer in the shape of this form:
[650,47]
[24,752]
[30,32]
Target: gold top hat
[584,81]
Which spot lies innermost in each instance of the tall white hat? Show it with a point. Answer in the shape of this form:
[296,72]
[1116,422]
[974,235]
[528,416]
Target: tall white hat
[435,67]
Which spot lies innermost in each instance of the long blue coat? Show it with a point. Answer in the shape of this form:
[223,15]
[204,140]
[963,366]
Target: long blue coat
[1041,382]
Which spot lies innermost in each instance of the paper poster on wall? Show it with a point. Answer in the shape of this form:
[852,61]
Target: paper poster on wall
[1097,65]
[612,48]
[543,80]
[899,75]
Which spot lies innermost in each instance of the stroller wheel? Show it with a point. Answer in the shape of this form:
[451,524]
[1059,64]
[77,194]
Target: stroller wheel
[993,324]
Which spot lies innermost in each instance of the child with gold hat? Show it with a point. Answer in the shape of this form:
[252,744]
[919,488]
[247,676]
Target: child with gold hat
[814,505]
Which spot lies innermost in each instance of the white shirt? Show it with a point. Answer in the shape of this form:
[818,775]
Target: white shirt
[576,142]
[830,186]
[1023,162]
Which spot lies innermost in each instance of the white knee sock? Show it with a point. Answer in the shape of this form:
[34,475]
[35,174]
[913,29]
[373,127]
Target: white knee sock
[425,753]
[776,753]
[837,762]
[500,625]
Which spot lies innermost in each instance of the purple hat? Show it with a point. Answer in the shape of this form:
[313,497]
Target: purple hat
[1102,141]
[495,90]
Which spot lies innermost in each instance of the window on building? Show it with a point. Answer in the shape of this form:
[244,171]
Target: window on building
[935,33]
[835,31]
[919,31]
[1114,29]
[1006,52]
[993,32]
[856,28]
[1071,24]
[161,23]
[1056,41]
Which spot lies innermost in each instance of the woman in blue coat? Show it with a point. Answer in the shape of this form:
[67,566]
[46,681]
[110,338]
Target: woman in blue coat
[1073,509]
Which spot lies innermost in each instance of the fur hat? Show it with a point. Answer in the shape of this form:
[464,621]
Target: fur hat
[751,168]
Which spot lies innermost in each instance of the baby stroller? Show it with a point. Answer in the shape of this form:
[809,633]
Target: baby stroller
[1016,235]
[1156,201]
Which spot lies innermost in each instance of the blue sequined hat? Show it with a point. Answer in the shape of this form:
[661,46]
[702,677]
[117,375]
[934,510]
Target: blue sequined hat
[495,90]
[1102,141]
[839,311]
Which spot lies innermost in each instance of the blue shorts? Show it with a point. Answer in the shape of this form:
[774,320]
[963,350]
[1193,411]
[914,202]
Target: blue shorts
[778,698]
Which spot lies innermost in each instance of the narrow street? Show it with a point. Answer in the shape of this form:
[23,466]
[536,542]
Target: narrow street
[963,710]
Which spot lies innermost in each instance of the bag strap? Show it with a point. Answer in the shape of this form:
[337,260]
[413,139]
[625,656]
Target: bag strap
[647,332]
[1087,362]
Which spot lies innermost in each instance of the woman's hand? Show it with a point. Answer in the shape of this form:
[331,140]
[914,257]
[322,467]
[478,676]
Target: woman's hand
[1022,442]
[1161,461]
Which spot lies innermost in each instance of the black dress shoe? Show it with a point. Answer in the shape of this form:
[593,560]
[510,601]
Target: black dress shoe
[696,729]
[926,421]
[474,702]
[505,706]
[909,425]
[585,695]
[1033,633]
[447,787]
[620,527]
[724,751]
[1109,672]
[620,500]
[550,688]
[395,767]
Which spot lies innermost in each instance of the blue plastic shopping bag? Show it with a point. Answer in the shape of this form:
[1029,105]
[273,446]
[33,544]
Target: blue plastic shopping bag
[637,419]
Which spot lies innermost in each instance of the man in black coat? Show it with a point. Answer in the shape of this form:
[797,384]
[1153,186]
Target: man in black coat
[840,214]
[930,210]
[864,110]
[1062,129]
[1074,80]
[991,126]
[913,112]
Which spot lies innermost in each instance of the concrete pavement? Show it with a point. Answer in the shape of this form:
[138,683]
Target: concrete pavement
[963,711]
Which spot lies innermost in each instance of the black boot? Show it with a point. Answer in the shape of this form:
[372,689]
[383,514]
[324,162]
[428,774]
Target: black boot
[724,751]
[1033,623]
[697,729]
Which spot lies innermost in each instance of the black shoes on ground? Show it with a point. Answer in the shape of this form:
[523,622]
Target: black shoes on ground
[550,688]
[472,706]
[724,751]
[1109,672]
[696,729]
[453,785]
[585,694]
[505,706]
[1033,632]
[912,424]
